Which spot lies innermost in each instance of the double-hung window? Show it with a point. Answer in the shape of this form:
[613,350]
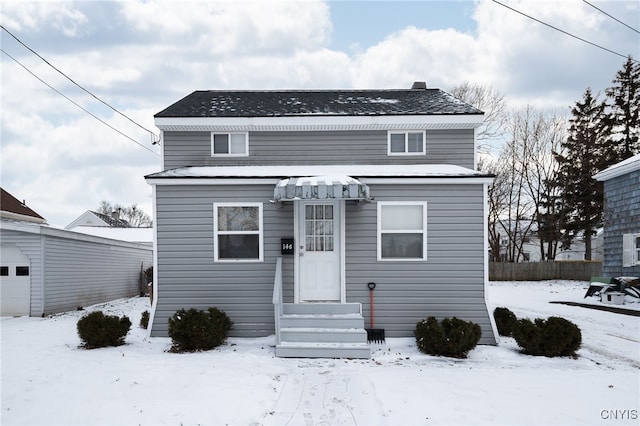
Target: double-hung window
[406,142]
[229,144]
[402,230]
[237,229]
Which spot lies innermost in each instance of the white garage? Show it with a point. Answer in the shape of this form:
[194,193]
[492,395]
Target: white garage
[15,281]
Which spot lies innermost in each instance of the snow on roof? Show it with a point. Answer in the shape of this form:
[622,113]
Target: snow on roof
[357,170]
[133,235]
[621,168]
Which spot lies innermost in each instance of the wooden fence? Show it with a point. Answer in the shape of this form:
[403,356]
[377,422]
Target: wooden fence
[537,271]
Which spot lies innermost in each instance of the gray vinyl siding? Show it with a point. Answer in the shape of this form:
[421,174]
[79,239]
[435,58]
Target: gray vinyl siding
[621,216]
[183,149]
[31,246]
[449,283]
[187,274]
[81,273]
[69,270]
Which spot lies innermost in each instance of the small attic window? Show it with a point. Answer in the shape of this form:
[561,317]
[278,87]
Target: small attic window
[229,144]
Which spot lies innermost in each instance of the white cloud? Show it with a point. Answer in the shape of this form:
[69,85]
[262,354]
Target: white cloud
[144,55]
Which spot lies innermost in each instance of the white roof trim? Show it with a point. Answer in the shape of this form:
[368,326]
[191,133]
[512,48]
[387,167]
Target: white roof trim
[227,175]
[317,122]
[629,165]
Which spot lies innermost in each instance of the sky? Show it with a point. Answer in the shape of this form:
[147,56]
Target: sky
[138,57]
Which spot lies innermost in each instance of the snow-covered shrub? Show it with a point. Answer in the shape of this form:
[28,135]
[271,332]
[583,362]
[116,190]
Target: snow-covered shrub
[452,337]
[144,320]
[552,337]
[97,330]
[195,330]
[505,321]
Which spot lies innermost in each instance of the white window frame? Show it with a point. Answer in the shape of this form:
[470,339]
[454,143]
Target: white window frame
[406,142]
[380,231]
[229,154]
[259,232]
[630,251]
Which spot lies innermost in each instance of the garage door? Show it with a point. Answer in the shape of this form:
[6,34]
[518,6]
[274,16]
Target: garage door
[15,281]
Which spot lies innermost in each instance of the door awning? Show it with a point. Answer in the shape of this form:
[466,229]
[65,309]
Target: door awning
[321,188]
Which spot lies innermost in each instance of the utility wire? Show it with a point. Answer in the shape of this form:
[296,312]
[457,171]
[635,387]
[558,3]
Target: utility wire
[75,103]
[612,17]
[154,136]
[565,32]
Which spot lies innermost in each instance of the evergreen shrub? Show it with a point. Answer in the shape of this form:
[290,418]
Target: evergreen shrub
[194,330]
[452,337]
[97,330]
[552,337]
[144,320]
[505,321]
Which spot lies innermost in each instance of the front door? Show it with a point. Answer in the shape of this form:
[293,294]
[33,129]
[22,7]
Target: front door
[319,251]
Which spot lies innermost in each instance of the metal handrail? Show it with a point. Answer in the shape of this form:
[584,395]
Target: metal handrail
[277,297]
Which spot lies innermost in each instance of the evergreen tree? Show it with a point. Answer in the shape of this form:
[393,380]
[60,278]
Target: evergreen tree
[584,153]
[624,105]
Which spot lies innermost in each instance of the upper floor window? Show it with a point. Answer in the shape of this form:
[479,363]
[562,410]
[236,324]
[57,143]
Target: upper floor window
[406,143]
[402,230]
[229,144]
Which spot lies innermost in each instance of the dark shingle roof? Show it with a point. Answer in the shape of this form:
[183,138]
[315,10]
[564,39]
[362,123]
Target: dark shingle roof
[290,103]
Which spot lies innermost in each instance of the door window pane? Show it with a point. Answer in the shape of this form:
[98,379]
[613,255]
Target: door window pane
[4,271]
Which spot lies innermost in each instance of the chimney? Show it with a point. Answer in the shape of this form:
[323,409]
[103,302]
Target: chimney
[419,85]
[116,215]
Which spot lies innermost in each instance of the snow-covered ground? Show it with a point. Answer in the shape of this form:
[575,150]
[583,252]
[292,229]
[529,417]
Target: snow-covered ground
[46,379]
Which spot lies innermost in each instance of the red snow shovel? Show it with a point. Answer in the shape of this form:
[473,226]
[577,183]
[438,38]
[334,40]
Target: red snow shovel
[373,334]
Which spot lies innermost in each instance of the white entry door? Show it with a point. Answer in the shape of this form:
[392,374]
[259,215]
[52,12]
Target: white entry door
[319,251]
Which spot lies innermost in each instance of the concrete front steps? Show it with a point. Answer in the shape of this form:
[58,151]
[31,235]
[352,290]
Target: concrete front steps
[322,330]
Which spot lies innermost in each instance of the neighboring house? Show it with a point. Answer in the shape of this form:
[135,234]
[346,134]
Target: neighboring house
[305,197]
[45,270]
[621,218]
[93,219]
[12,208]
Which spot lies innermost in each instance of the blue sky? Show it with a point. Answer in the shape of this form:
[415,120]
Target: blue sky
[366,23]
[141,56]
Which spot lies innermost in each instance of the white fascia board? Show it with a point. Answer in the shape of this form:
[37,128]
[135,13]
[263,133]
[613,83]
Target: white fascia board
[321,122]
[627,166]
[434,180]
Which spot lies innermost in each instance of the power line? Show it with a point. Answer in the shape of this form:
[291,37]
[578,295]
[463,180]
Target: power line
[75,103]
[81,87]
[565,32]
[612,17]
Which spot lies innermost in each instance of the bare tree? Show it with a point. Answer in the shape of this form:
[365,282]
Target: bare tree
[523,172]
[492,103]
[135,216]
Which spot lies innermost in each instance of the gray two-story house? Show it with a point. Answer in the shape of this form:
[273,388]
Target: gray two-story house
[281,207]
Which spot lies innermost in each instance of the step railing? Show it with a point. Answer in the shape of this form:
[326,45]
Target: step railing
[277,297]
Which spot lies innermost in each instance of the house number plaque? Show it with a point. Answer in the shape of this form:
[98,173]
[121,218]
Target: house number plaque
[286,246]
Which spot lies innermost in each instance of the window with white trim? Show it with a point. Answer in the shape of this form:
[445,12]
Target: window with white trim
[229,144]
[630,250]
[406,142]
[237,229]
[402,230]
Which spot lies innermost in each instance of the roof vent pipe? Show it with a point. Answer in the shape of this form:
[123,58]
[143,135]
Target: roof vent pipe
[419,85]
